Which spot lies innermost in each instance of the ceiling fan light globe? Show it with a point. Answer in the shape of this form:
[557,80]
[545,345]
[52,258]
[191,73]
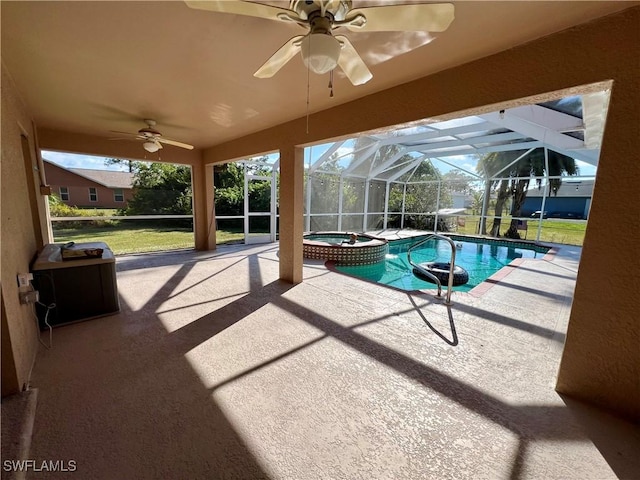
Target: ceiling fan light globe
[151,147]
[320,52]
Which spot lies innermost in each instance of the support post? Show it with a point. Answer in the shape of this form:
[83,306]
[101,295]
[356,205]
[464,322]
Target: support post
[291,213]
[202,199]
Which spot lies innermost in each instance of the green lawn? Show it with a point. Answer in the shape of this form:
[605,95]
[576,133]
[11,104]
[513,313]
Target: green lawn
[136,239]
[567,232]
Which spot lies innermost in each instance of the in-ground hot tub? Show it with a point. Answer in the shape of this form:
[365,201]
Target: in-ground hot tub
[337,246]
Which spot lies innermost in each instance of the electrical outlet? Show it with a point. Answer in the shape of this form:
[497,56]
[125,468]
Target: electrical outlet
[24,279]
[27,298]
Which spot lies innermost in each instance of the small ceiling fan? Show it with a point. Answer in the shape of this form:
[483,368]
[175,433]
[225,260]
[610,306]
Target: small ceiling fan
[321,50]
[153,139]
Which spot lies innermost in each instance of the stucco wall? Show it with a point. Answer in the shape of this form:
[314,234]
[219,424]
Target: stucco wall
[601,360]
[18,238]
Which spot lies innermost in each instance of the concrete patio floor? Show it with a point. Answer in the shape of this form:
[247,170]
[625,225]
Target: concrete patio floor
[216,369]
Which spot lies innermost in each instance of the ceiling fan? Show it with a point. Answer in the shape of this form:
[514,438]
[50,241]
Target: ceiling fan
[153,139]
[321,50]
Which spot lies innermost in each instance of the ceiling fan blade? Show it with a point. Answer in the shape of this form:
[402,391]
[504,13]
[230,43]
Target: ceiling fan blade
[126,133]
[243,8]
[122,138]
[280,58]
[174,143]
[426,17]
[351,63]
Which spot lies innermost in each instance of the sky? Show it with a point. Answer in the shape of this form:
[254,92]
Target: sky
[69,160]
[72,160]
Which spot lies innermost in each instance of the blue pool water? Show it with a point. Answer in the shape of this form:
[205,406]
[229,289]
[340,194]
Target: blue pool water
[481,258]
[334,239]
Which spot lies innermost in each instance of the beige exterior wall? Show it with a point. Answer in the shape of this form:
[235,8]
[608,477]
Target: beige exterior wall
[601,362]
[20,236]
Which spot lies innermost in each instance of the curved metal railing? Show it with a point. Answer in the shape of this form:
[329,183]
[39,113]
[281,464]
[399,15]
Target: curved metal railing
[452,264]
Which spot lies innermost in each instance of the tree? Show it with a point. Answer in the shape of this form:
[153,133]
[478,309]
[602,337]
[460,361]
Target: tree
[516,178]
[476,203]
[160,189]
[459,181]
[421,196]
[130,164]
[229,185]
[229,193]
[325,184]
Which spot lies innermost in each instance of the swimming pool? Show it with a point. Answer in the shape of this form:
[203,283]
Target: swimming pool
[480,257]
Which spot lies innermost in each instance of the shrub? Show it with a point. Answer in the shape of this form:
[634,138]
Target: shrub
[57,208]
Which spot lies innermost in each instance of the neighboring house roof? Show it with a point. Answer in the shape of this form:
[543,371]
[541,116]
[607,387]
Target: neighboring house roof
[106,178]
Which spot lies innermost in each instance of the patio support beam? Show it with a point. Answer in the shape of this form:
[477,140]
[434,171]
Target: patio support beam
[466,142]
[409,140]
[202,206]
[291,213]
[477,151]
[540,123]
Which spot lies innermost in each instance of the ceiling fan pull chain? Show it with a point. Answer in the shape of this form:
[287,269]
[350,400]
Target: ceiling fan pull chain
[331,83]
[308,83]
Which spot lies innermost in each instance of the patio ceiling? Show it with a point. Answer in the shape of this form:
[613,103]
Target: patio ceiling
[95,67]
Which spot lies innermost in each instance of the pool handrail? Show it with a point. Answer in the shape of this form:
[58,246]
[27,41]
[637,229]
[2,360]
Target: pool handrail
[429,274]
